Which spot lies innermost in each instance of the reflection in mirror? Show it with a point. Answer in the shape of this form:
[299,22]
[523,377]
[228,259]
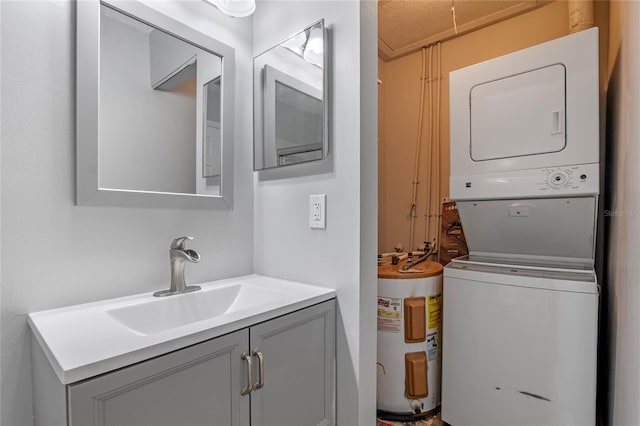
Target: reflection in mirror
[289,101]
[150,83]
[155,109]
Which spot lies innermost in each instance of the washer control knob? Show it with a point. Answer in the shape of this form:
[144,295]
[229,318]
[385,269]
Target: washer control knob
[558,178]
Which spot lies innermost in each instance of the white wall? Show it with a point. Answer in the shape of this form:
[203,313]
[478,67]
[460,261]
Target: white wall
[2,62]
[622,202]
[55,253]
[368,342]
[342,256]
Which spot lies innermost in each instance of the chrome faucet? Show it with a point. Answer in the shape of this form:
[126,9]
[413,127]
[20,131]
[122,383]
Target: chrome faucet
[178,256]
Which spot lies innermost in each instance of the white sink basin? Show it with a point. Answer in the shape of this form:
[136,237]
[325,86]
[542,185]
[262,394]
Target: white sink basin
[161,314]
[83,341]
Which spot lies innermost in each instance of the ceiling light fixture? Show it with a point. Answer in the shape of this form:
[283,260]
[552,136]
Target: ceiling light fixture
[235,8]
[313,50]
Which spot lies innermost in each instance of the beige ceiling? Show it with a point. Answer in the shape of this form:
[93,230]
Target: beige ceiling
[405,26]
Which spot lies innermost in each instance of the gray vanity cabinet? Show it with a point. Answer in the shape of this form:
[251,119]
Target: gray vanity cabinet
[299,369]
[196,386]
[202,384]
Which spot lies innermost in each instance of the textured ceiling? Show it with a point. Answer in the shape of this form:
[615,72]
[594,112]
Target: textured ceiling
[406,25]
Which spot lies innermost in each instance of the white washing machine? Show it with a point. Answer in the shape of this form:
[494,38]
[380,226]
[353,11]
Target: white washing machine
[520,312]
[519,345]
[520,315]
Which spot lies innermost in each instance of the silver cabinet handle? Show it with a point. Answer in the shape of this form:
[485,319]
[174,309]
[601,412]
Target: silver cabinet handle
[247,389]
[260,383]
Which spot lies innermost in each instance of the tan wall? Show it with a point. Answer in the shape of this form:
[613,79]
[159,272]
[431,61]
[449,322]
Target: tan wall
[399,110]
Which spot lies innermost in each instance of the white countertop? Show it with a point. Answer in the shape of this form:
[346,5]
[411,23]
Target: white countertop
[83,341]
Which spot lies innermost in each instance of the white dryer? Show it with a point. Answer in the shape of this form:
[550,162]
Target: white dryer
[527,124]
[520,312]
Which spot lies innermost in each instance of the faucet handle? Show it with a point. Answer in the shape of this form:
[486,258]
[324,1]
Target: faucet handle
[178,243]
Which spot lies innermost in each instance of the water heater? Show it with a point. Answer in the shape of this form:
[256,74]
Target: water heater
[409,337]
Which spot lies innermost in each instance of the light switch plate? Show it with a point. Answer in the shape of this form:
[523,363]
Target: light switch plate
[318,211]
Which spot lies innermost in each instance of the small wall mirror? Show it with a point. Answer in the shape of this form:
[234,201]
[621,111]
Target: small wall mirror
[154,110]
[290,104]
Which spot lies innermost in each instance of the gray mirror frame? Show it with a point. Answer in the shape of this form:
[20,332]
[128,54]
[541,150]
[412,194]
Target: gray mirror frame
[258,107]
[88,191]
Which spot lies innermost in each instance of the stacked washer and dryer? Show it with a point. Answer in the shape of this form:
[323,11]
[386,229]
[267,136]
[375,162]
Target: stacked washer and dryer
[521,310]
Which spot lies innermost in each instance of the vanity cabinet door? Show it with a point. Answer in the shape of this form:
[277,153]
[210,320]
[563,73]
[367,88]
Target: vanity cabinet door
[299,368]
[199,385]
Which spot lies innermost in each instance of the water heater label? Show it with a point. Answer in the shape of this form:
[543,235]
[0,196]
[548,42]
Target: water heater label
[390,314]
[432,346]
[434,310]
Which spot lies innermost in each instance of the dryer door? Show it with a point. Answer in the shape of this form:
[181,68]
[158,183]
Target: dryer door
[522,114]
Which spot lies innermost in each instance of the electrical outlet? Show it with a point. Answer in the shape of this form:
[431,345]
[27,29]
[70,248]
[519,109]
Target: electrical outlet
[318,211]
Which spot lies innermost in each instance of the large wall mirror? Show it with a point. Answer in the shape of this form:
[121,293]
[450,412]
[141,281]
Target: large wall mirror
[154,110]
[290,103]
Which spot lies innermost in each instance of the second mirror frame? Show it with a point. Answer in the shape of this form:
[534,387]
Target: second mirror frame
[290,100]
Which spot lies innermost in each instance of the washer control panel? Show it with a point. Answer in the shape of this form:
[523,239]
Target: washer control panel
[558,178]
[557,181]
